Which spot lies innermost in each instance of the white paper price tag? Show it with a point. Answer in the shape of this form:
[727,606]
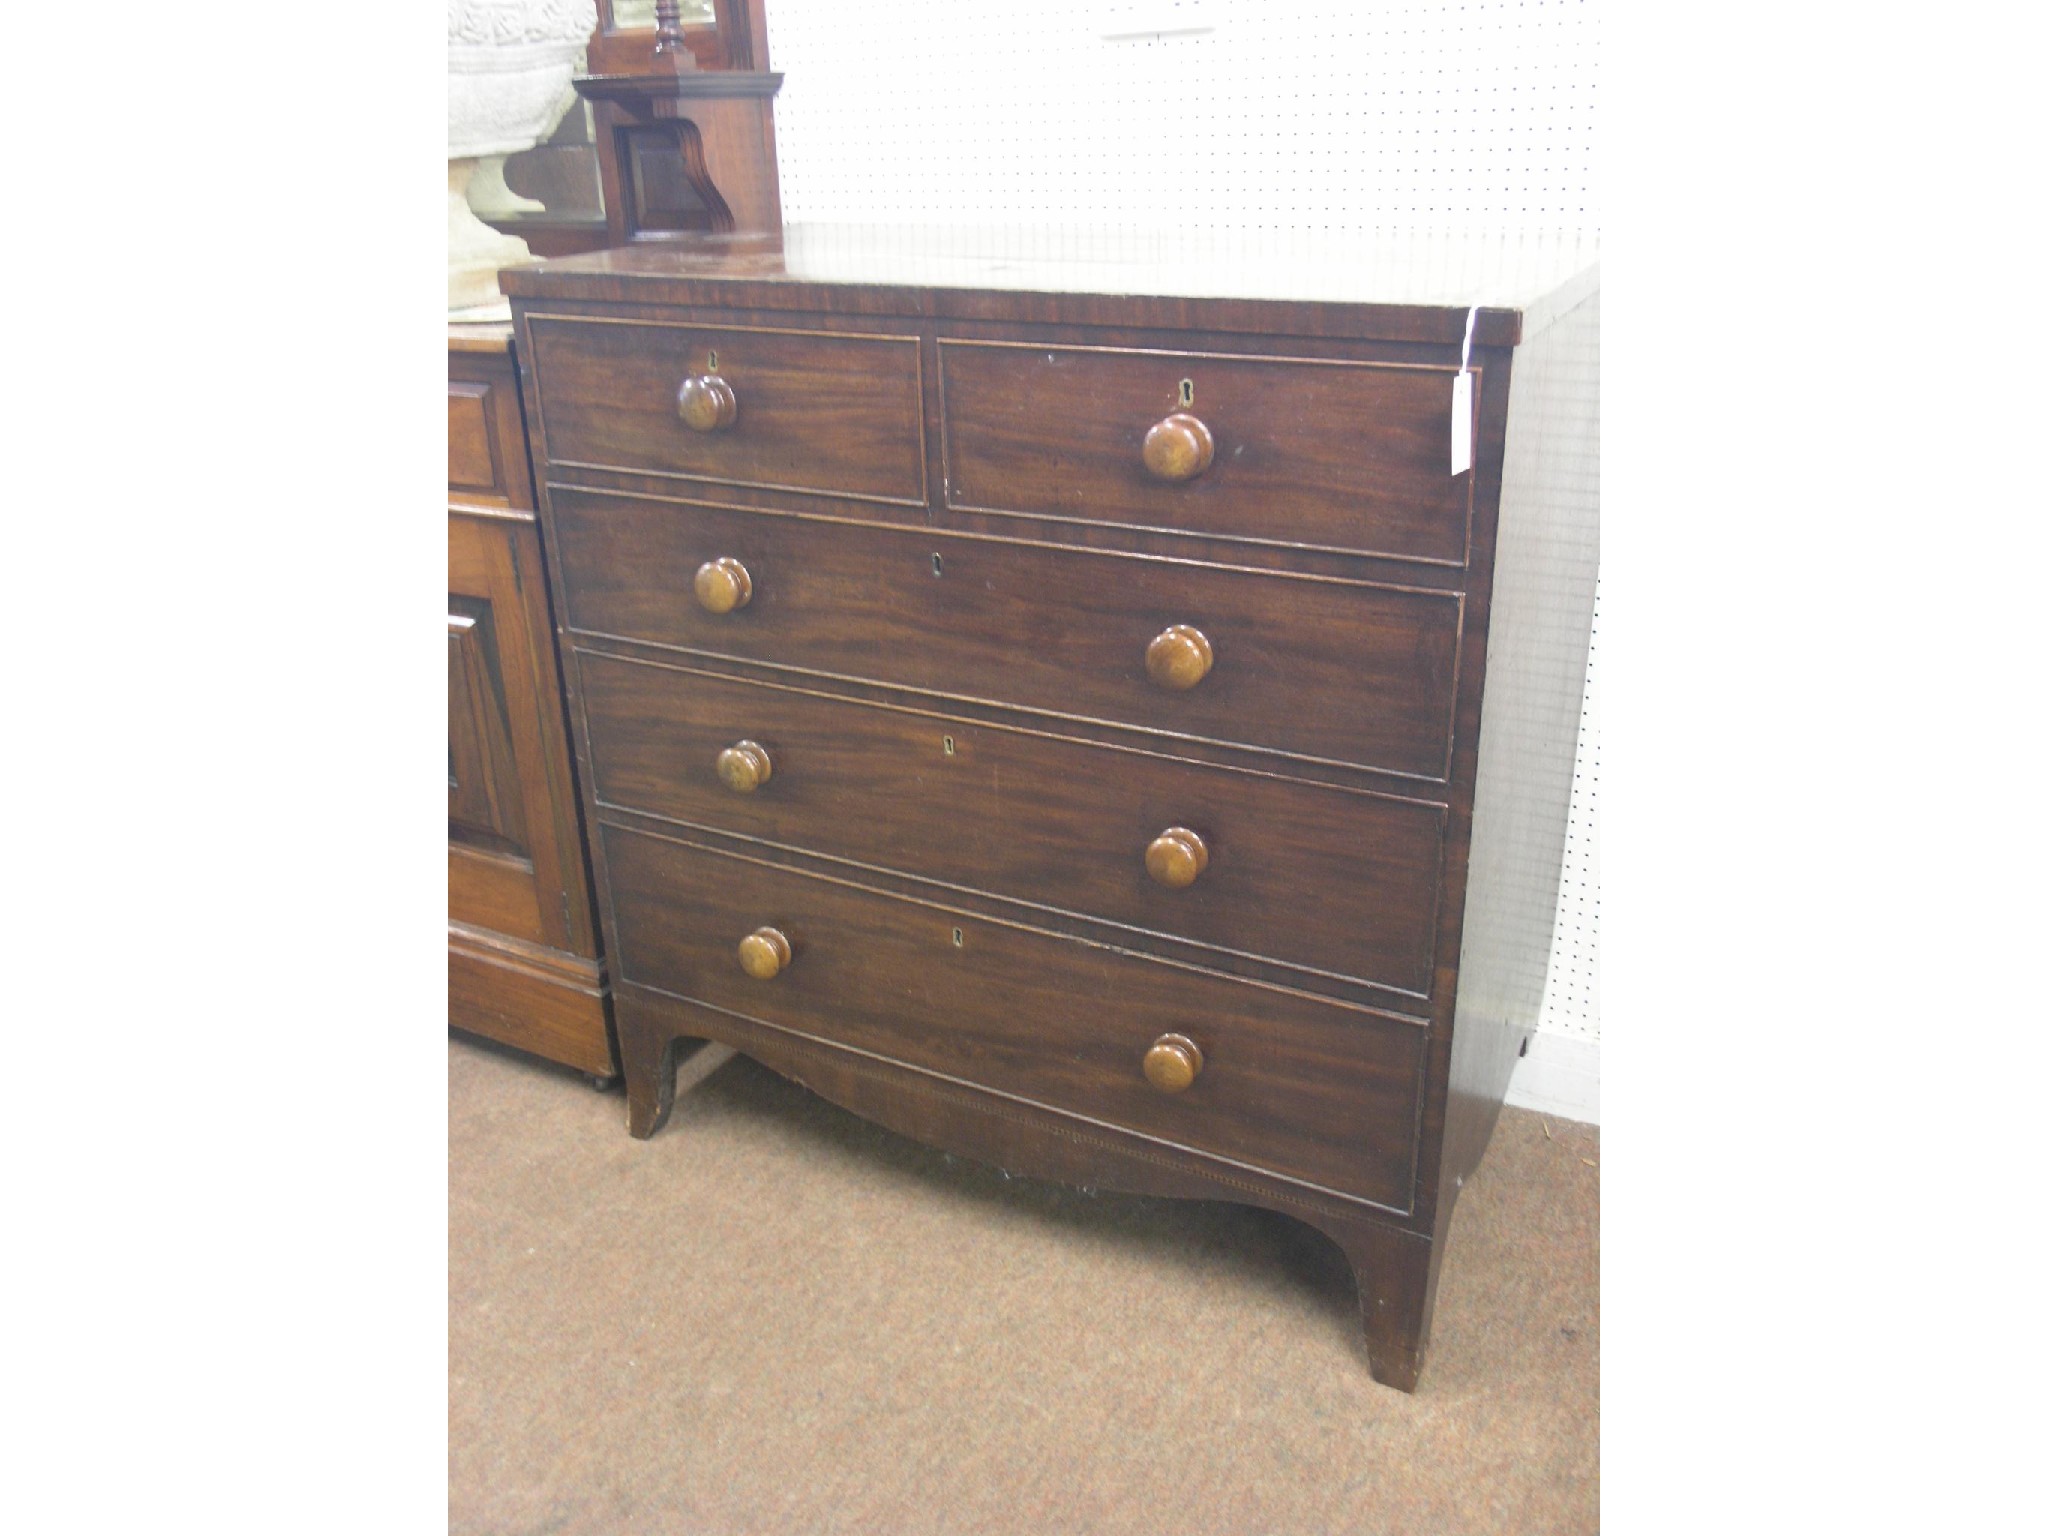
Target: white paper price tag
[1461,401]
[1461,423]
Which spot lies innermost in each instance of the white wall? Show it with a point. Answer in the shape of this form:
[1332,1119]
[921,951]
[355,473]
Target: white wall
[1290,116]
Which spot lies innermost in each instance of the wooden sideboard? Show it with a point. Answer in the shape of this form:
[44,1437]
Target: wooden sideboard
[1066,707]
[523,956]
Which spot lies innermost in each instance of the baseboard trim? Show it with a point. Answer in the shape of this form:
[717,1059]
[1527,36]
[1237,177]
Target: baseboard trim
[1560,1076]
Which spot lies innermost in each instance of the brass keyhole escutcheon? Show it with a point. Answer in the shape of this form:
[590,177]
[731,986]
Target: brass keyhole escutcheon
[711,363]
[947,743]
[1187,392]
[959,939]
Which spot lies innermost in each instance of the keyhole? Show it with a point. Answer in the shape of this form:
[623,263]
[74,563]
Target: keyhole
[948,741]
[1187,392]
[959,939]
[938,565]
[711,362]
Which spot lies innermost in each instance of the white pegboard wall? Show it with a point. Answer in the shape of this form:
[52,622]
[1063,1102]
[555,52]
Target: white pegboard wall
[1288,116]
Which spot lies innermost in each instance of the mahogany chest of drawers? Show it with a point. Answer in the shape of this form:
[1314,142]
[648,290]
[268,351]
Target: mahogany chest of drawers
[1074,711]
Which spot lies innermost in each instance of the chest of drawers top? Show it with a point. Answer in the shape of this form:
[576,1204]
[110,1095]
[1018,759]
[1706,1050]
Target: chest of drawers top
[1032,685]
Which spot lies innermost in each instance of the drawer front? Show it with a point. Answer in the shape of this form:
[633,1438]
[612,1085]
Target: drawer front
[486,435]
[811,411]
[1301,1087]
[1325,878]
[1340,455]
[472,456]
[1336,670]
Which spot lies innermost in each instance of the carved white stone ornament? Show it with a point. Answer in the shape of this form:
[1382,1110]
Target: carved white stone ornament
[509,66]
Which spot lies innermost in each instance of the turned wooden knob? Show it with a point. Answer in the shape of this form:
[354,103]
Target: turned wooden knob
[1176,856]
[763,953]
[1178,657]
[1173,1063]
[1178,448]
[706,403]
[744,766]
[723,585]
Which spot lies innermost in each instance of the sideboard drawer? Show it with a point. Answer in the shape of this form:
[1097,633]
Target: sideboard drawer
[1336,670]
[1330,879]
[1333,454]
[1312,1089]
[808,410]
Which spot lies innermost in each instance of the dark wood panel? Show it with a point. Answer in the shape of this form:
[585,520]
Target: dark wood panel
[824,413]
[534,890]
[485,807]
[1305,1088]
[486,428]
[1333,670]
[1337,455]
[537,999]
[1329,879]
[472,457]
[1376,289]
[523,962]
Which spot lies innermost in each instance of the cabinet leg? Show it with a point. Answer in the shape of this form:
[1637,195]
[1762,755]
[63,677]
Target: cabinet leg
[648,1060]
[1396,1294]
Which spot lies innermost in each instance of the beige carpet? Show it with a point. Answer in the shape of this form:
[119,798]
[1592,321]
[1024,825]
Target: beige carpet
[776,1318]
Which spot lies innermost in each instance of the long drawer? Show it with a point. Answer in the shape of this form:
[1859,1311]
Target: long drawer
[1306,1088]
[810,410]
[1337,670]
[1058,822]
[1335,454]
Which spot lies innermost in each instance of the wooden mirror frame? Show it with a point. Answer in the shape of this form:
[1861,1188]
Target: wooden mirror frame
[701,94]
[730,42]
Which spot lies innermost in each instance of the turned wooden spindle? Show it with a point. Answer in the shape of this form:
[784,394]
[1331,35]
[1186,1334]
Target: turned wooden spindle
[1178,448]
[1179,657]
[764,953]
[1175,857]
[1172,1063]
[668,31]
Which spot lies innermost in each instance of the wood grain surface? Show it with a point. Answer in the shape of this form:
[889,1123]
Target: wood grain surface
[1335,670]
[1307,1088]
[1336,455]
[1329,879]
[812,412]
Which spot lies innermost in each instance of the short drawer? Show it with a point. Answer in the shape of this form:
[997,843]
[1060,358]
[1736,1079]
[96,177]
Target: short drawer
[486,436]
[1329,879]
[808,410]
[1313,1090]
[1338,455]
[1338,670]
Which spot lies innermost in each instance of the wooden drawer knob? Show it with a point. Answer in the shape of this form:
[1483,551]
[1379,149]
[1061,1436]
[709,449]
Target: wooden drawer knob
[1175,857]
[744,766]
[723,585]
[764,953]
[1178,448]
[1178,657]
[706,403]
[1173,1063]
